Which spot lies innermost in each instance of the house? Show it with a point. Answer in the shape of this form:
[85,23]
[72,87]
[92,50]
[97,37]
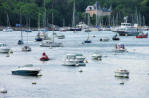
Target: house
[97,10]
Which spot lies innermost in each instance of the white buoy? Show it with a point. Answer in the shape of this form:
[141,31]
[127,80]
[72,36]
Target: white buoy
[3,90]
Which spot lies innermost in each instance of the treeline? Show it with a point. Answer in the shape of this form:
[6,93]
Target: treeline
[12,10]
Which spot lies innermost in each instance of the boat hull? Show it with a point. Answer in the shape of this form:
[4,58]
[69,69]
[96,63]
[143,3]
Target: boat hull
[75,29]
[4,50]
[122,75]
[123,33]
[25,73]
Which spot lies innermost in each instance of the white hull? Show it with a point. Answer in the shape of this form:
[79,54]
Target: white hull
[73,64]
[123,75]
[4,50]
[51,45]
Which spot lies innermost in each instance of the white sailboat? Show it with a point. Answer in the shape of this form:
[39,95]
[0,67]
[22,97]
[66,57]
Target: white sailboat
[74,28]
[51,43]
[29,29]
[26,48]
[20,42]
[8,28]
[42,33]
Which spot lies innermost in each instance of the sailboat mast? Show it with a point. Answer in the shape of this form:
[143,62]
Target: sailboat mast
[73,18]
[38,22]
[8,24]
[29,23]
[52,25]
[21,24]
[88,20]
[44,15]
[96,13]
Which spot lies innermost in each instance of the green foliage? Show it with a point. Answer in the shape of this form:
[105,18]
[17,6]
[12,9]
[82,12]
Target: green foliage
[62,10]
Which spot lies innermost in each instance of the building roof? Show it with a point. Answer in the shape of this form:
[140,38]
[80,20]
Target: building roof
[93,7]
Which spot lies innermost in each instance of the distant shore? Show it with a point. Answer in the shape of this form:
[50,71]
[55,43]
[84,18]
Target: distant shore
[18,29]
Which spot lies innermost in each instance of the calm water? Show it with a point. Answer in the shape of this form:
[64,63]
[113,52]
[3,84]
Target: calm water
[97,79]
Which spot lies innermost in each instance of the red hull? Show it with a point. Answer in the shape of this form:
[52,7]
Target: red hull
[44,59]
[142,36]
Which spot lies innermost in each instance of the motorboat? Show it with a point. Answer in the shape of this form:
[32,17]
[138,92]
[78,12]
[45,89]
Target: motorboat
[26,70]
[123,73]
[50,43]
[60,36]
[28,30]
[44,57]
[142,35]
[4,48]
[26,48]
[120,48]
[87,30]
[104,39]
[126,29]
[96,56]
[7,29]
[74,60]
[115,37]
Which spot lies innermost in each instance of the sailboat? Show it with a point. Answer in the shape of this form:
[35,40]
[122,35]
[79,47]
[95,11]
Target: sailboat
[26,48]
[74,28]
[20,42]
[51,43]
[8,28]
[38,37]
[29,29]
[42,33]
[87,29]
[88,40]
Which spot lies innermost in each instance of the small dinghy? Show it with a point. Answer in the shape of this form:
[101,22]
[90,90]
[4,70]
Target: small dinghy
[44,57]
[104,39]
[120,48]
[26,49]
[142,35]
[115,37]
[96,56]
[123,73]
[26,70]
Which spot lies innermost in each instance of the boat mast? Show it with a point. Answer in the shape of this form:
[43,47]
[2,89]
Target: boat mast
[21,25]
[8,23]
[73,18]
[88,19]
[96,13]
[29,23]
[44,15]
[52,25]
[38,22]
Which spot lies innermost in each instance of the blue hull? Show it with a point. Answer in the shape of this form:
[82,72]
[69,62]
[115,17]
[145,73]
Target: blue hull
[38,39]
[25,73]
[87,41]
[20,42]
